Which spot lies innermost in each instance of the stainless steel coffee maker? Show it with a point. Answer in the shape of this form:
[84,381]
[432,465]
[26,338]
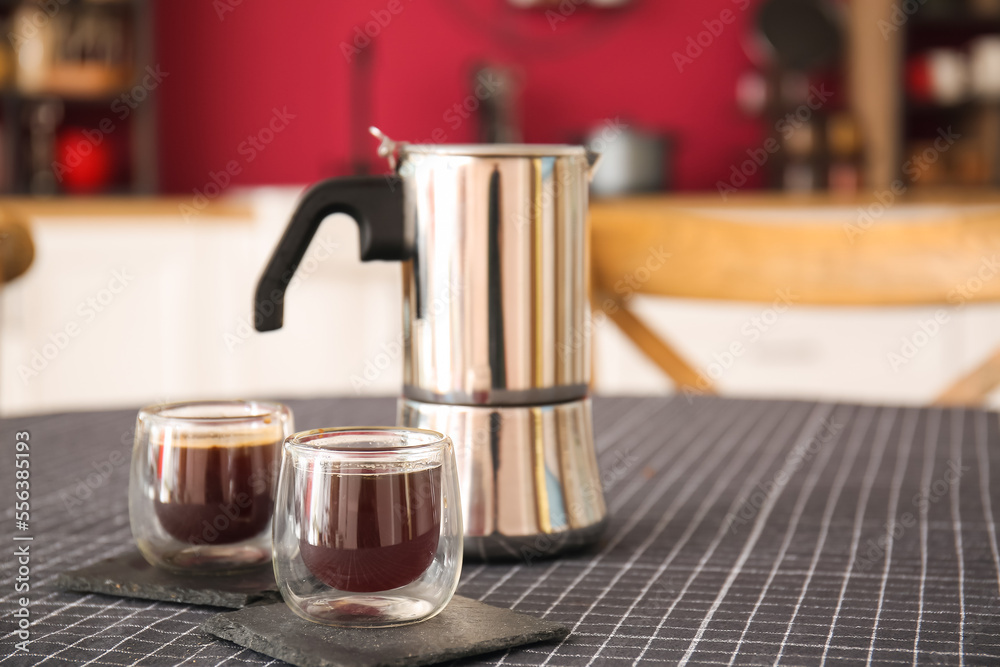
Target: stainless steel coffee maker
[496,323]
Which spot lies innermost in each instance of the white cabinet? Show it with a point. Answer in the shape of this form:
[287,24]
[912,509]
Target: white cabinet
[832,353]
[179,326]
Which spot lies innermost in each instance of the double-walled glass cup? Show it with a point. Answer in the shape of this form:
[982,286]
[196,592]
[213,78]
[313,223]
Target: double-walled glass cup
[202,485]
[368,525]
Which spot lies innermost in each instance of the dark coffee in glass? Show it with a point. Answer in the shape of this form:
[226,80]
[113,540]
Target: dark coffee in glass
[372,532]
[216,494]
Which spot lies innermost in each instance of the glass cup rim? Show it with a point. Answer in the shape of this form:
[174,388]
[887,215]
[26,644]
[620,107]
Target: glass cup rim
[320,440]
[259,410]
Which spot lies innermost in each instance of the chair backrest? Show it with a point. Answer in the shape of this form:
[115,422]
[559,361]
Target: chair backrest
[858,261]
[17,250]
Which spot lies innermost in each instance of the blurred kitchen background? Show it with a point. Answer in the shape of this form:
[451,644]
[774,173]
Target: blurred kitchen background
[154,150]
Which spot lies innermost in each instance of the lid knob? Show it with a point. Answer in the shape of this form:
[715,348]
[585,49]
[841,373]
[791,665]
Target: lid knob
[387,148]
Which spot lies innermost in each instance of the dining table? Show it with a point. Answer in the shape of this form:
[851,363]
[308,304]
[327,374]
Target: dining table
[741,532]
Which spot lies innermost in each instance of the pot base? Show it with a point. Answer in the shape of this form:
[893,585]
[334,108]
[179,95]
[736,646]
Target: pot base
[529,479]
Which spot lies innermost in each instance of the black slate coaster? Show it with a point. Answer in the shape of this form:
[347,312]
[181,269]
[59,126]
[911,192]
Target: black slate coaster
[464,628]
[130,576]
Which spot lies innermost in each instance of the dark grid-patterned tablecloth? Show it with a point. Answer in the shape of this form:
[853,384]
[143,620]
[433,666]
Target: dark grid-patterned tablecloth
[744,532]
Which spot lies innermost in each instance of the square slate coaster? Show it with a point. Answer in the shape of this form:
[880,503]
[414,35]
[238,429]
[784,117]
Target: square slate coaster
[130,576]
[464,628]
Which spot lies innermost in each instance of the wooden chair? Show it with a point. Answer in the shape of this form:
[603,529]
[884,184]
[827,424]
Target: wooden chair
[947,261]
[17,250]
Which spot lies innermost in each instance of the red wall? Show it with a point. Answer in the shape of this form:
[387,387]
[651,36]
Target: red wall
[226,74]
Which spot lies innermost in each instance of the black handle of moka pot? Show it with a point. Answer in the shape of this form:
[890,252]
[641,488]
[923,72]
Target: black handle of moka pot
[375,203]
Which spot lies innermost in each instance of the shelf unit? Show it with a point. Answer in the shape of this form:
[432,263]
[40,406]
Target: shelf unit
[895,125]
[31,117]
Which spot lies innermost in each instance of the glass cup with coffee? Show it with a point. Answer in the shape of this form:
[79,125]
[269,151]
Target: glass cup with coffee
[367,525]
[202,485]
